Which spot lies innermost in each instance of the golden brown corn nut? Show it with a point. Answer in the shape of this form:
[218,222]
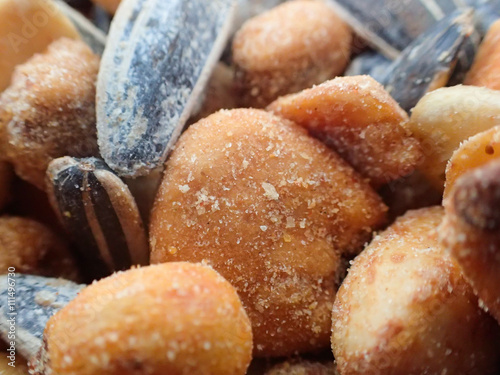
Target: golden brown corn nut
[33,248]
[358,119]
[28,27]
[273,210]
[405,308]
[446,117]
[475,152]
[175,318]
[49,109]
[471,231]
[289,48]
[486,68]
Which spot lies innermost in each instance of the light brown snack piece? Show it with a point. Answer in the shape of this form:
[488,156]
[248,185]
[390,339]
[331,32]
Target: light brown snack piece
[475,152]
[405,308]
[357,118]
[5,183]
[28,27]
[446,117]
[273,210]
[49,109]
[287,49]
[32,248]
[486,68]
[174,318]
[302,367]
[471,231]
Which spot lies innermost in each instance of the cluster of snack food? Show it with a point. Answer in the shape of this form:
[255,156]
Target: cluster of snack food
[301,210]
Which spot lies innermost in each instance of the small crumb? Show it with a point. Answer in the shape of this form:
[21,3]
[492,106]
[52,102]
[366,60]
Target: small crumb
[270,191]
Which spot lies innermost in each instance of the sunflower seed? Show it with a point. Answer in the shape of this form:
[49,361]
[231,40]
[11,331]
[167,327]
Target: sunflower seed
[429,61]
[38,298]
[390,25]
[99,212]
[487,12]
[369,63]
[159,57]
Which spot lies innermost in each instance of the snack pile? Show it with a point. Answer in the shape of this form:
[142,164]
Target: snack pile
[262,187]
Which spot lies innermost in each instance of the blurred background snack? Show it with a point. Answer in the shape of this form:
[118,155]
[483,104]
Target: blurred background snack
[287,49]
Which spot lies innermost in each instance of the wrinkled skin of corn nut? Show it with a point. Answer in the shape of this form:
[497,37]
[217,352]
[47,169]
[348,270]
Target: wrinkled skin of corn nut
[287,49]
[48,111]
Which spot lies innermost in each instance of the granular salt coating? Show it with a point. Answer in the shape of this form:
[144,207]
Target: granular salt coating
[406,308]
[273,210]
[287,49]
[48,111]
[358,119]
[175,318]
[32,248]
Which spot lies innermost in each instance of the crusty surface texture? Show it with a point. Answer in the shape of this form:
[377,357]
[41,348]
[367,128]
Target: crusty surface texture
[289,48]
[175,318]
[471,231]
[48,111]
[33,248]
[361,121]
[405,308]
[444,118]
[478,150]
[273,210]
[486,68]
